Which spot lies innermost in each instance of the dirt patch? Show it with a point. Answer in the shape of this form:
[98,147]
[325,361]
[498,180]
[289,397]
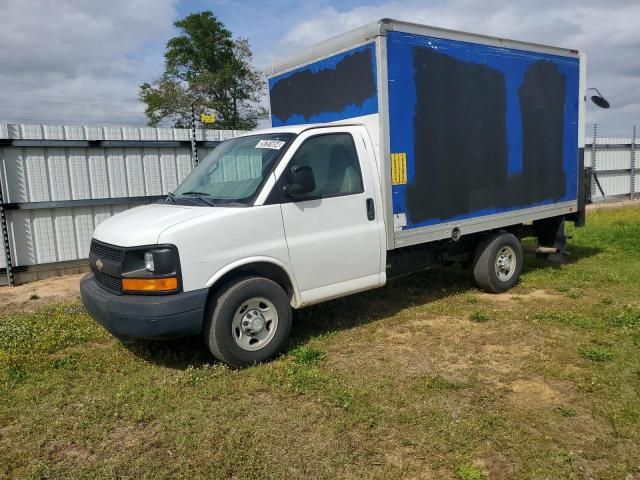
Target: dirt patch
[510,296]
[32,295]
[495,463]
[535,393]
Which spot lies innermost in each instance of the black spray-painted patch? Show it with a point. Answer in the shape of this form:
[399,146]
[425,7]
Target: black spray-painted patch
[306,93]
[461,150]
[542,97]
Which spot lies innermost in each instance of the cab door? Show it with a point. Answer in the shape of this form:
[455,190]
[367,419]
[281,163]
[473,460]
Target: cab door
[333,233]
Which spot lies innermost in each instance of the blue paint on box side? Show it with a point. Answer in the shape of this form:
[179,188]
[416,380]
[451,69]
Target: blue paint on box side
[513,64]
[356,109]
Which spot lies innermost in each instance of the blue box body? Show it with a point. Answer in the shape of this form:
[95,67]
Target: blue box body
[479,129]
[336,88]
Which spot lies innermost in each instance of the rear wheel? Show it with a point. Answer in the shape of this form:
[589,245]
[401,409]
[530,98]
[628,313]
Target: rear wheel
[249,322]
[498,262]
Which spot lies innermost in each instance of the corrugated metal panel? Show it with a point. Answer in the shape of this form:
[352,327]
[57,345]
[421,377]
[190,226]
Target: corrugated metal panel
[618,158]
[614,184]
[612,166]
[35,174]
[53,173]
[55,235]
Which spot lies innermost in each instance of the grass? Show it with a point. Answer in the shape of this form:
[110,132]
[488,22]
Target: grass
[392,383]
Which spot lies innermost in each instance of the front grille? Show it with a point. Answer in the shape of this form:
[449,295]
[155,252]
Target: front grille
[108,281]
[105,251]
[110,255]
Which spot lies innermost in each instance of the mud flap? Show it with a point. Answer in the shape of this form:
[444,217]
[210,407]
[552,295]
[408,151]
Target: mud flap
[551,239]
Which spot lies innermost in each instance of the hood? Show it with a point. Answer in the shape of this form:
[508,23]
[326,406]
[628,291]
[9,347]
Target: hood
[143,225]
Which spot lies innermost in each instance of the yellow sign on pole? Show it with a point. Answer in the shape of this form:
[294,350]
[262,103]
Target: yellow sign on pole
[204,118]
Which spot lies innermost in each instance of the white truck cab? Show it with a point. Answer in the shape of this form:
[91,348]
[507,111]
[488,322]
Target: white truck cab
[296,206]
[398,147]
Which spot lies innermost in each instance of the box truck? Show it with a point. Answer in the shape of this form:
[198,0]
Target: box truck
[394,148]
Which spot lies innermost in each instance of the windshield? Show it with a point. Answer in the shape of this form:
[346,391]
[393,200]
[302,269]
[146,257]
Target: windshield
[234,170]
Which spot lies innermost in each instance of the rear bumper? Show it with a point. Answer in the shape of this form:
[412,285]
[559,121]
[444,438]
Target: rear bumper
[145,316]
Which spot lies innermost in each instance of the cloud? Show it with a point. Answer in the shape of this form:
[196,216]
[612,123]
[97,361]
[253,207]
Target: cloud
[77,61]
[607,31]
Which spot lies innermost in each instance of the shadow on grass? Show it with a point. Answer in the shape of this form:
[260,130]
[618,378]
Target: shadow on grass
[348,312]
[178,354]
[575,254]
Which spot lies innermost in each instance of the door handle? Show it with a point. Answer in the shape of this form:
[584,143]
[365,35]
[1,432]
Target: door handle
[371,209]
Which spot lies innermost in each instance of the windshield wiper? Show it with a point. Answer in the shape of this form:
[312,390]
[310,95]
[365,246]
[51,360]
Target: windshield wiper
[192,192]
[202,196]
[170,196]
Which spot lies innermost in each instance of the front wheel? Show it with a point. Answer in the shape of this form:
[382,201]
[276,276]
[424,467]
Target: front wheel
[249,322]
[498,262]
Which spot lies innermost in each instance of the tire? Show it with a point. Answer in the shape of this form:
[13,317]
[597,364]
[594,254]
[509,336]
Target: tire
[498,262]
[248,322]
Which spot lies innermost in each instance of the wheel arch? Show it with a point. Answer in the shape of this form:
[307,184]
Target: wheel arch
[267,267]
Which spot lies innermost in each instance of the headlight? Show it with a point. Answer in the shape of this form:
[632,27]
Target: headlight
[151,270]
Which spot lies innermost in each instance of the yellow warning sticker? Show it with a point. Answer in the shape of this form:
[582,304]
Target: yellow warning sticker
[398,168]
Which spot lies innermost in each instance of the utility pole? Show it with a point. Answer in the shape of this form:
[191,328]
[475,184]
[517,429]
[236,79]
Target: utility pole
[632,187]
[5,241]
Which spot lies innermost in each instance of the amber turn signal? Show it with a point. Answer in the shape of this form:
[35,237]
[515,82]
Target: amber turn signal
[149,284]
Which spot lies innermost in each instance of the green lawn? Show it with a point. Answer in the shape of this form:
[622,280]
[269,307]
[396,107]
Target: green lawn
[425,378]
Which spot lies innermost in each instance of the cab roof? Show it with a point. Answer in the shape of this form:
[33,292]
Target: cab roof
[296,129]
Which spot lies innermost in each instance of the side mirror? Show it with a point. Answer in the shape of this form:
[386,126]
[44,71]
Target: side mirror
[301,181]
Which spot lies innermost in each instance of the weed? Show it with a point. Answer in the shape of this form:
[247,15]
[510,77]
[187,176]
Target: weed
[67,362]
[34,296]
[568,318]
[195,376]
[479,317]
[566,411]
[16,375]
[627,318]
[439,382]
[341,397]
[306,355]
[470,472]
[596,354]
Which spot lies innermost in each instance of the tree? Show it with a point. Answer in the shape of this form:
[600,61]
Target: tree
[206,67]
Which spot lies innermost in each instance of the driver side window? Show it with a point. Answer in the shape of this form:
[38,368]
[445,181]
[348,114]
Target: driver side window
[334,163]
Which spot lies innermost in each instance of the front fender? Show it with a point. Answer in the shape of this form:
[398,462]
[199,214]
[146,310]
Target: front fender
[296,301]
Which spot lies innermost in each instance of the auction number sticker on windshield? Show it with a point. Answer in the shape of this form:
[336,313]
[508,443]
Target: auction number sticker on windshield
[272,144]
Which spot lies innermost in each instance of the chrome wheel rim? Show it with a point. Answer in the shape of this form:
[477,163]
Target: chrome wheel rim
[505,263]
[254,323]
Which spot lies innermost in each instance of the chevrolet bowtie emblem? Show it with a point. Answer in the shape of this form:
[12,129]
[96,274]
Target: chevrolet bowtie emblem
[99,264]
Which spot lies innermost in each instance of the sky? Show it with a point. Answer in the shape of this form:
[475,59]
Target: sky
[82,61]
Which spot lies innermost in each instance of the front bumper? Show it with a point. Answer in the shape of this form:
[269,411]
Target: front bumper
[145,316]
